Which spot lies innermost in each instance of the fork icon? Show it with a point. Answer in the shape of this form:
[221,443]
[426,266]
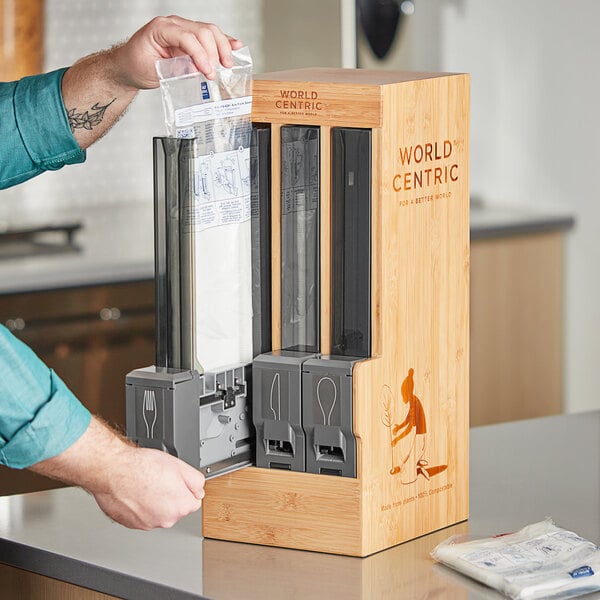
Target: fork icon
[149,412]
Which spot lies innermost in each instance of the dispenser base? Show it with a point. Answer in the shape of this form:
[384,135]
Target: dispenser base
[305,511]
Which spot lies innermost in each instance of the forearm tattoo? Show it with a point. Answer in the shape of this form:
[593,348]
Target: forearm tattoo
[88,119]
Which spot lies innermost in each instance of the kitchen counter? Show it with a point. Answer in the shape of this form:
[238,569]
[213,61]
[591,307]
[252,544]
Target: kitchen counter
[520,473]
[116,244]
[489,221]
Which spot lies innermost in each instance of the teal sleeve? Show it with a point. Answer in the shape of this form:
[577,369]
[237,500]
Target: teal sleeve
[34,129]
[39,416]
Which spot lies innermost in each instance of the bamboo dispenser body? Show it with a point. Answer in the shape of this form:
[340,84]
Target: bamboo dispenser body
[407,484]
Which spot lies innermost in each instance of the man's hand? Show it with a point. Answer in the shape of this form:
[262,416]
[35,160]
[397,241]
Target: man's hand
[166,37]
[151,489]
[97,89]
[136,487]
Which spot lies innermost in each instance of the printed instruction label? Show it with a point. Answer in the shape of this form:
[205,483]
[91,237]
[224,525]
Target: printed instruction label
[209,111]
[300,176]
[221,190]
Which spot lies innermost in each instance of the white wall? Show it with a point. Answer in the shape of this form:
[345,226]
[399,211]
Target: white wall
[311,33]
[535,131]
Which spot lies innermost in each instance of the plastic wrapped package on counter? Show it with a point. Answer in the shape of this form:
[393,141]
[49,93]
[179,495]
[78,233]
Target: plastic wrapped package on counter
[538,561]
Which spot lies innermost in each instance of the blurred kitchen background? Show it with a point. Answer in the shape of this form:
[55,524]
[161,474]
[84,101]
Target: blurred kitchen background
[535,128]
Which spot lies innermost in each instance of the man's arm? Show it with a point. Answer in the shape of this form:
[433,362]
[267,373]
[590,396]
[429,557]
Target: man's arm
[97,89]
[47,121]
[42,425]
[45,428]
[137,487]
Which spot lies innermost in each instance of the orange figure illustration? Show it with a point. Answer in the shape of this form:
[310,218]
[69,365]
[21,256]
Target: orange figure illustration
[408,438]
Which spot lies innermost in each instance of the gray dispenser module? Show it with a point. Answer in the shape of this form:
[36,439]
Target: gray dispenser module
[327,415]
[201,417]
[277,410]
[302,401]
[302,411]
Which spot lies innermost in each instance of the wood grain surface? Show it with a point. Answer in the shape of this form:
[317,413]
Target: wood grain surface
[19,585]
[21,38]
[517,327]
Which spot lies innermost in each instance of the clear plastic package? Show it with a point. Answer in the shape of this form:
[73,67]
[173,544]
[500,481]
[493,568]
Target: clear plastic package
[538,561]
[214,111]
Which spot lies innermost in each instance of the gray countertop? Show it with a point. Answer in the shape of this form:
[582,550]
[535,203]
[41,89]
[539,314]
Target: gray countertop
[116,244]
[520,473]
[496,221]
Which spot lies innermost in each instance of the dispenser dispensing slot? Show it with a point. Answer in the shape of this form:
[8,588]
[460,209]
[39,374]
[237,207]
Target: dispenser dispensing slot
[226,436]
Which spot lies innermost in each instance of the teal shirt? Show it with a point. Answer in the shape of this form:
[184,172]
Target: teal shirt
[39,416]
[34,130]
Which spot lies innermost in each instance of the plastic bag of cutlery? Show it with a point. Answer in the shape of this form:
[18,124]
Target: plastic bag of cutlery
[216,113]
[538,561]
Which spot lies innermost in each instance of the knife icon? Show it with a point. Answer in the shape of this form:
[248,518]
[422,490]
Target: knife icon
[275,397]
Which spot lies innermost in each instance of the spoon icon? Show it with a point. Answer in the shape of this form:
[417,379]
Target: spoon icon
[323,399]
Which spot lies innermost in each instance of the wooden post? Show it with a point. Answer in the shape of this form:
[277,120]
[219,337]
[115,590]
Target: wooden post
[21,38]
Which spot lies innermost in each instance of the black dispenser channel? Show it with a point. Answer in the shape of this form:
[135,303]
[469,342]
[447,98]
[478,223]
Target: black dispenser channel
[351,242]
[300,177]
[260,206]
[173,190]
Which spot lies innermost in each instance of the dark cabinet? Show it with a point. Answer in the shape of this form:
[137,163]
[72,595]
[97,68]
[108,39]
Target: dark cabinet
[92,337]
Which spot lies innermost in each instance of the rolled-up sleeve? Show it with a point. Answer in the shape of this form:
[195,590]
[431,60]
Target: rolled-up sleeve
[34,129]
[39,415]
